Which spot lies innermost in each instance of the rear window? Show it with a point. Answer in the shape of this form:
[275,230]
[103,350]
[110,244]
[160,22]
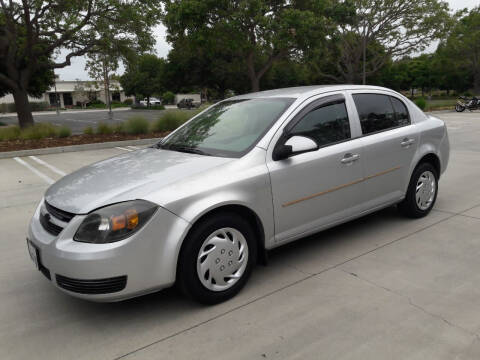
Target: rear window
[380,112]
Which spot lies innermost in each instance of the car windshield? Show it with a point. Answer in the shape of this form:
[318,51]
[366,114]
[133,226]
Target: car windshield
[229,129]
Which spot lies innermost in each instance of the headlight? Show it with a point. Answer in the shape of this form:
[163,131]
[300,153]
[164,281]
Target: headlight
[115,222]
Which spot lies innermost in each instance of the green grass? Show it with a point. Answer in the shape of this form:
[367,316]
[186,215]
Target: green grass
[136,125]
[172,120]
[441,104]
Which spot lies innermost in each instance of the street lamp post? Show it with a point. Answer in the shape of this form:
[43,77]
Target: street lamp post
[56,98]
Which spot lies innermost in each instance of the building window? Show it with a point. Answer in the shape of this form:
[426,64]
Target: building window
[115,95]
[67,99]
[51,98]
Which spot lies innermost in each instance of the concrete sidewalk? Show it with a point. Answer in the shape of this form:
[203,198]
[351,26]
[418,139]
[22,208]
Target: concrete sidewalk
[381,287]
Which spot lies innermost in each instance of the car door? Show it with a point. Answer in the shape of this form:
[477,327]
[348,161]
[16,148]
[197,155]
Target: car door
[389,142]
[314,189]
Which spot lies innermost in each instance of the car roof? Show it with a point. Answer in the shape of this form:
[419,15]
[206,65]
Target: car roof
[305,91]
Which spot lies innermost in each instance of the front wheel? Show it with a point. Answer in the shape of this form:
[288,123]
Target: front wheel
[217,258]
[422,192]
[459,108]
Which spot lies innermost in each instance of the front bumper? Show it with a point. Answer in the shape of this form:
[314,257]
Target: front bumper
[147,259]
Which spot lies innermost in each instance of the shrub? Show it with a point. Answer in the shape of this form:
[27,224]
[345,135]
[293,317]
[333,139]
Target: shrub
[39,131]
[88,130]
[39,106]
[2,124]
[128,101]
[119,128]
[104,129]
[421,103]
[136,125]
[96,106]
[168,97]
[7,108]
[171,120]
[64,132]
[10,133]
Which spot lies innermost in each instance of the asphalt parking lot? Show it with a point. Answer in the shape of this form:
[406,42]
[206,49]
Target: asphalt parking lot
[80,119]
[381,287]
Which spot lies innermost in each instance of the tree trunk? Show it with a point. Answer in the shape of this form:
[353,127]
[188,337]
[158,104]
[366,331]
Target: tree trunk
[364,58]
[252,74]
[24,112]
[255,83]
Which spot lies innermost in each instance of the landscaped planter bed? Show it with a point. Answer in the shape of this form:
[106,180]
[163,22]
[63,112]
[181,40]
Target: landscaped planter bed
[20,144]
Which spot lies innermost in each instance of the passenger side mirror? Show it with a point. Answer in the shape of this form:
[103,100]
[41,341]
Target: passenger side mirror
[294,146]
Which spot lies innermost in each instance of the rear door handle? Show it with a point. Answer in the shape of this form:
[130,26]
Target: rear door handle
[349,158]
[407,142]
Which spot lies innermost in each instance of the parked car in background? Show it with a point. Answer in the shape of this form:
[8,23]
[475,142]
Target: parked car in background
[153,101]
[188,104]
[248,174]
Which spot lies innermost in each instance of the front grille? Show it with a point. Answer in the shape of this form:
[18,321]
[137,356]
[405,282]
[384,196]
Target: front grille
[61,215]
[99,286]
[49,226]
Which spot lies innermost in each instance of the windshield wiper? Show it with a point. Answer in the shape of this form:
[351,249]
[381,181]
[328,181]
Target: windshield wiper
[186,149]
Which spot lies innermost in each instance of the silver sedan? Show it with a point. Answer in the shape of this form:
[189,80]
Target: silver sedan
[251,173]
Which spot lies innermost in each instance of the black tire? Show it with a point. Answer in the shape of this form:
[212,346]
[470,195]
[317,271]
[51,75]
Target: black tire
[459,108]
[187,277]
[409,206]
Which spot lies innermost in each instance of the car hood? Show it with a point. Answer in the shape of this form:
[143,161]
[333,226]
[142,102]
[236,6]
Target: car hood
[125,177]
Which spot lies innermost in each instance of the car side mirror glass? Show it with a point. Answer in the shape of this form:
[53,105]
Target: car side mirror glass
[294,146]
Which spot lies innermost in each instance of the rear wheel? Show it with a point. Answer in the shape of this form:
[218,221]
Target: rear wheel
[422,192]
[459,108]
[217,258]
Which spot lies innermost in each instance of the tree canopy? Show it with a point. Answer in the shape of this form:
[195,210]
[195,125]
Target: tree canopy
[257,33]
[144,77]
[33,32]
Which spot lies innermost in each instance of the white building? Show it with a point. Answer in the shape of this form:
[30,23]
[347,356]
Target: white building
[74,93]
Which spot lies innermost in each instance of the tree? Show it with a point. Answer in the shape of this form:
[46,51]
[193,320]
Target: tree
[463,45]
[82,94]
[258,32]
[383,30]
[32,32]
[144,77]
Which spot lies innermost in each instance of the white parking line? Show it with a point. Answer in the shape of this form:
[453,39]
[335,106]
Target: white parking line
[122,148]
[51,167]
[134,147]
[35,171]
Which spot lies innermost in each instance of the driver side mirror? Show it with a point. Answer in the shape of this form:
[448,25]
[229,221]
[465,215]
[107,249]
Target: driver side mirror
[294,146]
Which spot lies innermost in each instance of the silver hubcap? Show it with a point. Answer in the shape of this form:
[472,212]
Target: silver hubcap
[425,191]
[222,259]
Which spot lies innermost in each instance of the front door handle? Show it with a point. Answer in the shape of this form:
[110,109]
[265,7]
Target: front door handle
[349,158]
[407,142]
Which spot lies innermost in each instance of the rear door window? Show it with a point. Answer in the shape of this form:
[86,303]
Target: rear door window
[375,111]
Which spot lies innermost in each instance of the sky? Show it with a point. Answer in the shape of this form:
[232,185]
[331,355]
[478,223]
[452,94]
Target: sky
[77,69]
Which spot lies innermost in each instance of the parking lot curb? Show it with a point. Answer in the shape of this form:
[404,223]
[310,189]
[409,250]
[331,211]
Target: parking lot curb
[72,148]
